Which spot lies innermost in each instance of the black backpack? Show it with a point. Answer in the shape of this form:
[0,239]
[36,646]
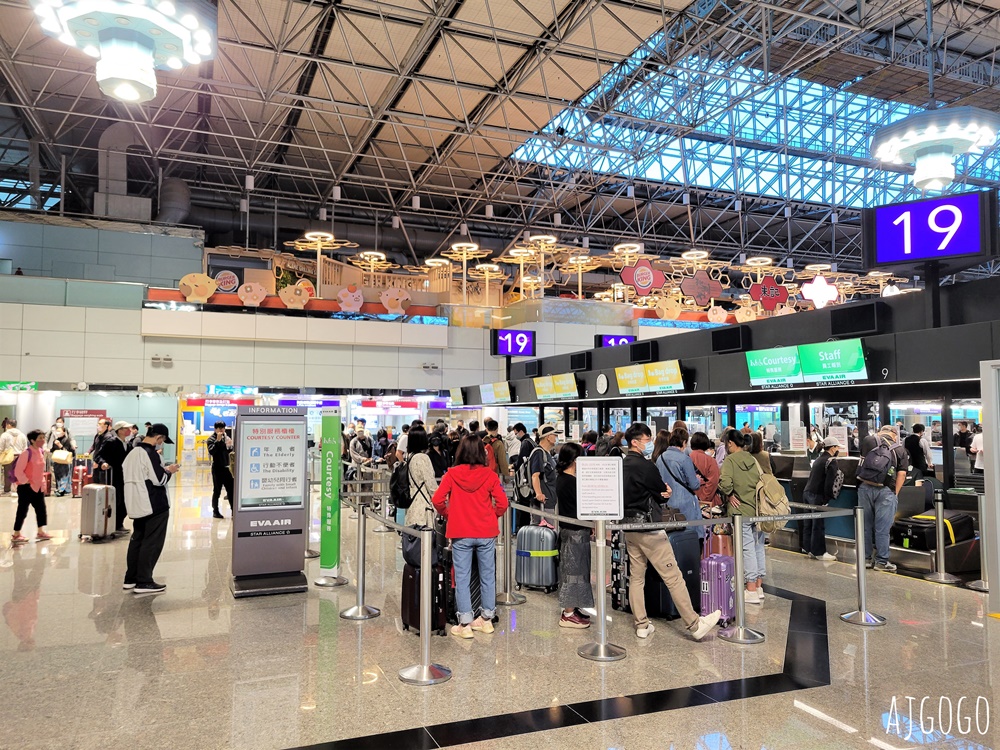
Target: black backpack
[399,485]
[603,446]
[875,466]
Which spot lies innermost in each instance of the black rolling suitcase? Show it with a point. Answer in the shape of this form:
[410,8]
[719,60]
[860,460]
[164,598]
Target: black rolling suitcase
[410,599]
[918,532]
[659,603]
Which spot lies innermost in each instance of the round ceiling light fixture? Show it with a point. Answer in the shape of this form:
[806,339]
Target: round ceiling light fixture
[931,140]
[132,39]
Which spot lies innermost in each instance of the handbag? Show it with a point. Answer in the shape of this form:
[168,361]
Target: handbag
[412,548]
[62,457]
[6,457]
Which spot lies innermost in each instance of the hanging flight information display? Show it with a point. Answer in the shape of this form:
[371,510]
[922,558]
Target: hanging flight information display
[501,391]
[955,231]
[828,362]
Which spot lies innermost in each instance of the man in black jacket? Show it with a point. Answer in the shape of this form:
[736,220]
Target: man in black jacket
[820,491]
[110,457]
[220,445]
[644,489]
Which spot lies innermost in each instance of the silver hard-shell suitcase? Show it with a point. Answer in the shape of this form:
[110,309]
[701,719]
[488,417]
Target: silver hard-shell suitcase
[537,563]
[97,512]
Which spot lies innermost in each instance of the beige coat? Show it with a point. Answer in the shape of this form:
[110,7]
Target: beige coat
[421,512]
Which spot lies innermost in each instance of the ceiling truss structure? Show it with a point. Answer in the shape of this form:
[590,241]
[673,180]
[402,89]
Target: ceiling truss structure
[410,98]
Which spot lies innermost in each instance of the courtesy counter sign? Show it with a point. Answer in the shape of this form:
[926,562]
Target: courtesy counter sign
[775,368]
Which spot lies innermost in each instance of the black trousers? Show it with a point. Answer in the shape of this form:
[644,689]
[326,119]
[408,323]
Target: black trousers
[145,546]
[221,477]
[813,533]
[27,497]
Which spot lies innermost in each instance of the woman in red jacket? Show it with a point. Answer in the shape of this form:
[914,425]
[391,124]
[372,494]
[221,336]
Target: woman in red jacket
[471,497]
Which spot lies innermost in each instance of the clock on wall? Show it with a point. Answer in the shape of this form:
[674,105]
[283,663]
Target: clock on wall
[602,383]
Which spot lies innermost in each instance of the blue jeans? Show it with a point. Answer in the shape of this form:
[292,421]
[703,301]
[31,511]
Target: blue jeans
[879,505]
[753,552]
[486,558]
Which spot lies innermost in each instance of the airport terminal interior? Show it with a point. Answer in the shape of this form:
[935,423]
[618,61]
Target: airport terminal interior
[267,266]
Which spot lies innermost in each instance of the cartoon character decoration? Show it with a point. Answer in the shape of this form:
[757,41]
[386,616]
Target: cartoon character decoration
[295,297]
[788,309]
[668,308]
[197,287]
[351,299]
[716,314]
[309,287]
[395,300]
[744,314]
[251,294]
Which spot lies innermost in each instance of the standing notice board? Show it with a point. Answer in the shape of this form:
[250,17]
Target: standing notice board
[270,514]
[599,494]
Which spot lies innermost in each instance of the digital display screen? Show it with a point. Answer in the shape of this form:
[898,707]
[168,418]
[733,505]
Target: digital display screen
[833,362]
[938,229]
[664,377]
[775,368]
[502,392]
[564,386]
[512,343]
[456,397]
[272,469]
[631,379]
[486,393]
[543,387]
[613,339]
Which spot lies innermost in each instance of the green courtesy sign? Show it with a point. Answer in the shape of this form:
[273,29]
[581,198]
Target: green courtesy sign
[833,362]
[774,368]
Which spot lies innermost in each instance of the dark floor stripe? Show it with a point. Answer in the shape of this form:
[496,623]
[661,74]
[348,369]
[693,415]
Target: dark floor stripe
[807,665]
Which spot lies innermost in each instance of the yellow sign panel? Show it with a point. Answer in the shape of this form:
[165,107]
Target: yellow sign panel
[564,386]
[502,392]
[544,387]
[663,377]
[631,380]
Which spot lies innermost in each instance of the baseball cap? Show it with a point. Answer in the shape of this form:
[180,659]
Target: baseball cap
[546,429]
[830,441]
[889,429]
[158,428]
[121,424]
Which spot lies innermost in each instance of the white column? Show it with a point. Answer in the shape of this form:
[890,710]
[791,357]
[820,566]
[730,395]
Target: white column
[989,524]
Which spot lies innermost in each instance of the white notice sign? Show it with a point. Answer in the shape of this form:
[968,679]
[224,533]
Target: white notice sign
[840,432]
[599,488]
[797,439]
[272,464]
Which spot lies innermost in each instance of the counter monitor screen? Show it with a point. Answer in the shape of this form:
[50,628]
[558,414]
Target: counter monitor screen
[775,368]
[564,386]
[486,394]
[664,377]
[511,343]
[456,397]
[631,379]
[544,388]
[501,392]
[833,362]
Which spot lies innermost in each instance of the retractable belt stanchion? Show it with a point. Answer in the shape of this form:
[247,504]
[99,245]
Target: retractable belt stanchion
[940,575]
[601,650]
[383,492]
[738,632]
[360,611]
[861,616]
[507,597]
[310,552]
[425,673]
[983,584]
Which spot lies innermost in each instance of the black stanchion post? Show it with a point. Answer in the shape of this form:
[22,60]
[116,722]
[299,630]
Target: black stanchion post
[601,650]
[983,584]
[861,616]
[425,673]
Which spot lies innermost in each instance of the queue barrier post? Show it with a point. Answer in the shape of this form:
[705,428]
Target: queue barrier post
[940,575]
[425,673]
[311,554]
[983,584]
[601,650]
[360,611]
[507,597]
[383,491]
[861,616]
[738,632]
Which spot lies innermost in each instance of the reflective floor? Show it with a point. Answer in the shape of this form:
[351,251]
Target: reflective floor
[86,665]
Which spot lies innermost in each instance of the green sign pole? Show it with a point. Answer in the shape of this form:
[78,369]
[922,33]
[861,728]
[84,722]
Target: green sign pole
[329,534]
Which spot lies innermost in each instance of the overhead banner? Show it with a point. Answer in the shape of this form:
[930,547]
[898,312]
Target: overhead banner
[329,534]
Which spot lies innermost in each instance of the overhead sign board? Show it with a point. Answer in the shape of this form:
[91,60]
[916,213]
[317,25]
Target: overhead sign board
[512,343]
[774,368]
[664,377]
[833,362]
[631,379]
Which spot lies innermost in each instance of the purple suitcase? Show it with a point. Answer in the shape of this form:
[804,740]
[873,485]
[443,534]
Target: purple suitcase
[718,589]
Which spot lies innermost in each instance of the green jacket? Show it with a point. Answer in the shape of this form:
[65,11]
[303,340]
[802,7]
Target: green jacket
[739,476]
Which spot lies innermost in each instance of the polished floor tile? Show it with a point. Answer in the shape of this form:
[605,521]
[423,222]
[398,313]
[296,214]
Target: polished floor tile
[86,665]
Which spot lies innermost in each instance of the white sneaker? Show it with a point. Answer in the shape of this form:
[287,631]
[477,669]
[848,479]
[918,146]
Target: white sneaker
[751,597]
[705,625]
[827,557]
[645,631]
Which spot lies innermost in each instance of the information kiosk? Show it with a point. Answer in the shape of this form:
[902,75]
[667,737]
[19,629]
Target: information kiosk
[270,515]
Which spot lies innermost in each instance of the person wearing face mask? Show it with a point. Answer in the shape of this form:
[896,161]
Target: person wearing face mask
[677,471]
[820,491]
[644,491]
[146,499]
